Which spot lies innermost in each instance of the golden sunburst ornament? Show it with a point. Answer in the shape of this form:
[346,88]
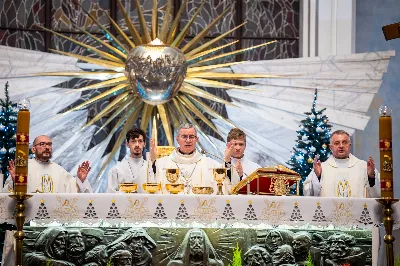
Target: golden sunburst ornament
[152,75]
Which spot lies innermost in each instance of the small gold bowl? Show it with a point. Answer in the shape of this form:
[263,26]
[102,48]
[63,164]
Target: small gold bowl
[151,187]
[128,187]
[174,188]
[203,190]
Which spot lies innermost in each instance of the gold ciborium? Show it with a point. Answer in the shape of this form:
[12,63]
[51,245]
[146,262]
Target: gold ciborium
[172,175]
[219,177]
[128,187]
[202,190]
[174,188]
[152,188]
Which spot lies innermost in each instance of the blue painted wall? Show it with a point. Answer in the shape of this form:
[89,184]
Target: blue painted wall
[370,17]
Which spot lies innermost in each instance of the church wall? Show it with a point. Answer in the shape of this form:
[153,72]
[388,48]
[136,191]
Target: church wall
[371,15]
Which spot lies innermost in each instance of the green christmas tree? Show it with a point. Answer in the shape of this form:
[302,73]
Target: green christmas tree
[237,256]
[8,124]
[312,140]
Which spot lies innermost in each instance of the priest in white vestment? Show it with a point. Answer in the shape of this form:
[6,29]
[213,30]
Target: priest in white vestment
[342,174]
[195,169]
[235,159]
[133,168]
[48,177]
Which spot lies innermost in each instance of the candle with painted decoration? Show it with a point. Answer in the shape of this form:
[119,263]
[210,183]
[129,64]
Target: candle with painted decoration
[22,149]
[386,157]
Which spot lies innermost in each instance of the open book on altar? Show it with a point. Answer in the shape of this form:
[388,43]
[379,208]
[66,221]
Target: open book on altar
[268,181]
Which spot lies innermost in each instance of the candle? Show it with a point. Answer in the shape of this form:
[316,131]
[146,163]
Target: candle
[22,149]
[386,157]
[154,130]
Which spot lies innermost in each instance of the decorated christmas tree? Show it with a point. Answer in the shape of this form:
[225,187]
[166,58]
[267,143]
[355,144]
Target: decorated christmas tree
[312,140]
[91,211]
[365,217]
[250,212]
[113,213]
[182,212]
[42,212]
[228,212]
[8,124]
[296,214]
[319,215]
[160,213]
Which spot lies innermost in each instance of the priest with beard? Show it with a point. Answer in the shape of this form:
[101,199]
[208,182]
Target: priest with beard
[235,159]
[48,177]
[133,168]
[195,169]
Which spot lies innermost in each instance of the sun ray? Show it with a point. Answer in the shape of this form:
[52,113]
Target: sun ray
[210,111]
[229,76]
[91,48]
[175,23]
[187,105]
[209,51]
[112,48]
[164,27]
[203,33]
[211,42]
[146,114]
[105,63]
[233,53]
[135,103]
[142,21]
[175,120]
[107,83]
[202,68]
[216,84]
[101,75]
[109,108]
[121,32]
[178,40]
[164,119]
[154,21]
[97,98]
[193,90]
[132,29]
[108,34]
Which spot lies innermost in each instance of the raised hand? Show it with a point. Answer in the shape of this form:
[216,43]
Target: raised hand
[83,171]
[153,150]
[317,166]
[228,151]
[11,169]
[371,167]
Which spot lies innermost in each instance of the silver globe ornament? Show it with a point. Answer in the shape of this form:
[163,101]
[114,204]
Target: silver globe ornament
[312,149]
[3,151]
[2,127]
[155,71]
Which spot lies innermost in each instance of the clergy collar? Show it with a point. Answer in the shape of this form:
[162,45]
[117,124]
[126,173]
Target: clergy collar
[177,157]
[352,161]
[190,153]
[237,158]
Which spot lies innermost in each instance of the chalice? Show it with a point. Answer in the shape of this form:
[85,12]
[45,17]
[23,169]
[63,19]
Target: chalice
[152,188]
[172,175]
[219,177]
[128,187]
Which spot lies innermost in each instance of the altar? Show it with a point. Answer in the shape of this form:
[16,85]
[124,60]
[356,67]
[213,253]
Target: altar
[161,229]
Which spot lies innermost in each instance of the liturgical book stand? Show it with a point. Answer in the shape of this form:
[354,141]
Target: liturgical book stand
[268,181]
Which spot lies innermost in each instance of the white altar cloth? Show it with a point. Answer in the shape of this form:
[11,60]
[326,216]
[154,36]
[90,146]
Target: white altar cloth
[204,211]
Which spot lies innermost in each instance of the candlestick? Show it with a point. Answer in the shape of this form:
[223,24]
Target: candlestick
[154,130]
[386,157]
[22,148]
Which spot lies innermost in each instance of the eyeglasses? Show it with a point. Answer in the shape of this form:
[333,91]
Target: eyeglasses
[188,136]
[44,144]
